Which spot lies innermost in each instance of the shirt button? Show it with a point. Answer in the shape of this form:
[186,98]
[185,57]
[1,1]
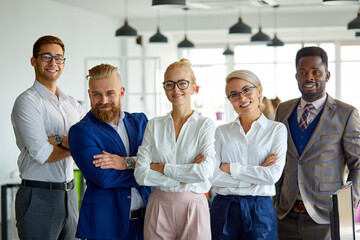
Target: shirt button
[301,146]
[302,137]
[301,163]
[128,197]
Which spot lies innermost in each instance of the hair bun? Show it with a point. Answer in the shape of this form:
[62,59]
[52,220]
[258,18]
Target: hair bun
[184,60]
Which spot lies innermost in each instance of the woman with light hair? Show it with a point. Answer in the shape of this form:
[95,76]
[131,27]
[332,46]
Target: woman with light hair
[250,157]
[177,157]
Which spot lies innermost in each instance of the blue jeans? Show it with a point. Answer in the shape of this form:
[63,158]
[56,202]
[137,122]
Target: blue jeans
[243,217]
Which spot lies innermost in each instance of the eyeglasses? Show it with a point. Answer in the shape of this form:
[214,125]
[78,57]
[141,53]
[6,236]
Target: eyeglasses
[245,92]
[181,84]
[46,57]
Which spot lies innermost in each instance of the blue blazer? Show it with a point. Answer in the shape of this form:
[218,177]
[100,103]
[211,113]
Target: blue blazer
[105,208]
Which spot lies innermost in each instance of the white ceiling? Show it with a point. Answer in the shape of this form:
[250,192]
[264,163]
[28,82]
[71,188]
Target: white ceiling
[143,8]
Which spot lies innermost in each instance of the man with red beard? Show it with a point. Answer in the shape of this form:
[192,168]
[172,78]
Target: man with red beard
[323,151]
[104,145]
[46,203]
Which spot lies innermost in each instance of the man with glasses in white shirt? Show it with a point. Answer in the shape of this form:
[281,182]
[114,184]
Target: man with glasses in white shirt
[46,203]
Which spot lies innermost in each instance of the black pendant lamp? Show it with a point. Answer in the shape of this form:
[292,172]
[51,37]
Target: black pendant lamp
[185,43]
[357,34]
[240,27]
[168,3]
[275,42]
[260,36]
[126,30]
[339,2]
[228,51]
[355,24]
[158,37]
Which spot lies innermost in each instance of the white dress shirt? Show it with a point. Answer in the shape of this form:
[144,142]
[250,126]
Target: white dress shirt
[38,114]
[160,146]
[136,200]
[246,153]
[318,104]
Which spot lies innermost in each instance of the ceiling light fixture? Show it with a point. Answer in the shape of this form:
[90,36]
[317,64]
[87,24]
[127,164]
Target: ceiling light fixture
[126,30]
[228,51]
[240,27]
[339,2]
[355,23]
[168,3]
[275,42]
[185,43]
[158,37]
[260,36]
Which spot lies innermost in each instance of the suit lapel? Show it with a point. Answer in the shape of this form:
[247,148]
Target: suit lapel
[286,114]
[132,133]
[327,114]
[107,129]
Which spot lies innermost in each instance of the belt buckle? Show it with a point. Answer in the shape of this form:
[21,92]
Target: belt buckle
[66,186]
[132,218]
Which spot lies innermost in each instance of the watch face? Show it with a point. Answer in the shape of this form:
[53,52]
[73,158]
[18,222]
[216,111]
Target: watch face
[129,162]
[58,139]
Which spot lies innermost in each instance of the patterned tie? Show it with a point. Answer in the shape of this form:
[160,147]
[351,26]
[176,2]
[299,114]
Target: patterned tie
[303,123]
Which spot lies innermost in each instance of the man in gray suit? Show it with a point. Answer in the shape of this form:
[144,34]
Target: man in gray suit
[323,151]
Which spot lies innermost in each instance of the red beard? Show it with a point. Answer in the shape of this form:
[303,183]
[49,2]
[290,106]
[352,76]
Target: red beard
[105,115]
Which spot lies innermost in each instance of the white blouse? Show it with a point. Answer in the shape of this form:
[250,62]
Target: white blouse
[159,145]
[246,153]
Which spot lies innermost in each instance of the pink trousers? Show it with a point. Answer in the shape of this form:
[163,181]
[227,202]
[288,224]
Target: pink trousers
[177,215]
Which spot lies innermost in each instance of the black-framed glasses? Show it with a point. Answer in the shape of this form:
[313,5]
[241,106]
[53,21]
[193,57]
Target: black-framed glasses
[181,84]
[245,92]
[46,57]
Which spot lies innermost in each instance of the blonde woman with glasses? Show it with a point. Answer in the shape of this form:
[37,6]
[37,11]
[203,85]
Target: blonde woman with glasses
[177,157]
[250,157]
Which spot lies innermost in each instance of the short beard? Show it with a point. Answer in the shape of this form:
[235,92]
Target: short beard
[105,115]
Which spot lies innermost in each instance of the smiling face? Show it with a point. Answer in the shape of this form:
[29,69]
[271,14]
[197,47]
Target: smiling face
[176,96]
[244,105]
[47,73]
[311,76]
[105,96]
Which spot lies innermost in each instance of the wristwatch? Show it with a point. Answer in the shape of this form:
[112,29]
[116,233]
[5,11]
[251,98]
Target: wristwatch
[58,140]
[129,162]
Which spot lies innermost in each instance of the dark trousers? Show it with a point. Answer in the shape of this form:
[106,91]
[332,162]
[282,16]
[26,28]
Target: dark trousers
[243,217]
[46,214]
[136,230]
[300,226]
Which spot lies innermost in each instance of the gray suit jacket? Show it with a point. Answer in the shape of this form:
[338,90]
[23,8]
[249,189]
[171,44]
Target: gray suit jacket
[333,148]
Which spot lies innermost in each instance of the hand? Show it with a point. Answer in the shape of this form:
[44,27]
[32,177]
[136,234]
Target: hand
[270,160]
[200,158]
[159,167]
[225,167]
[108,160]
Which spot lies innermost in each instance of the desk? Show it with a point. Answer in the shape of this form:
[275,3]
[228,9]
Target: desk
[5,184]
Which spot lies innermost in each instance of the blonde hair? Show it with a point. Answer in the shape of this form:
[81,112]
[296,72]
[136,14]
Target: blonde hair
[244,75]
[181,63]
[102,71]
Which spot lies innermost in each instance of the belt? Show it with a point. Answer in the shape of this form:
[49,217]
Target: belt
[138,213]
[299,207]
[66,186]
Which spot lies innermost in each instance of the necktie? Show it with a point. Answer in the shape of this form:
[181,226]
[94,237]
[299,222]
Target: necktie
[303,123]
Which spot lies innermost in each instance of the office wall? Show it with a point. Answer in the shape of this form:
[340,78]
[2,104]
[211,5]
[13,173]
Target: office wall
[22,22]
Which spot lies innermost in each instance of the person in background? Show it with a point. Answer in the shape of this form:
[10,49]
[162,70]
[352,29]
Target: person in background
[46,203]
[323,143]
[177,158]
[267,108]
[250,157]
[104,145]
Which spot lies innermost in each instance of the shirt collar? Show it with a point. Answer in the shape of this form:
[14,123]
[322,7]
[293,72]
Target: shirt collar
[121,119]
[195,115]
[317,104]
[45,93]
[262,121]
